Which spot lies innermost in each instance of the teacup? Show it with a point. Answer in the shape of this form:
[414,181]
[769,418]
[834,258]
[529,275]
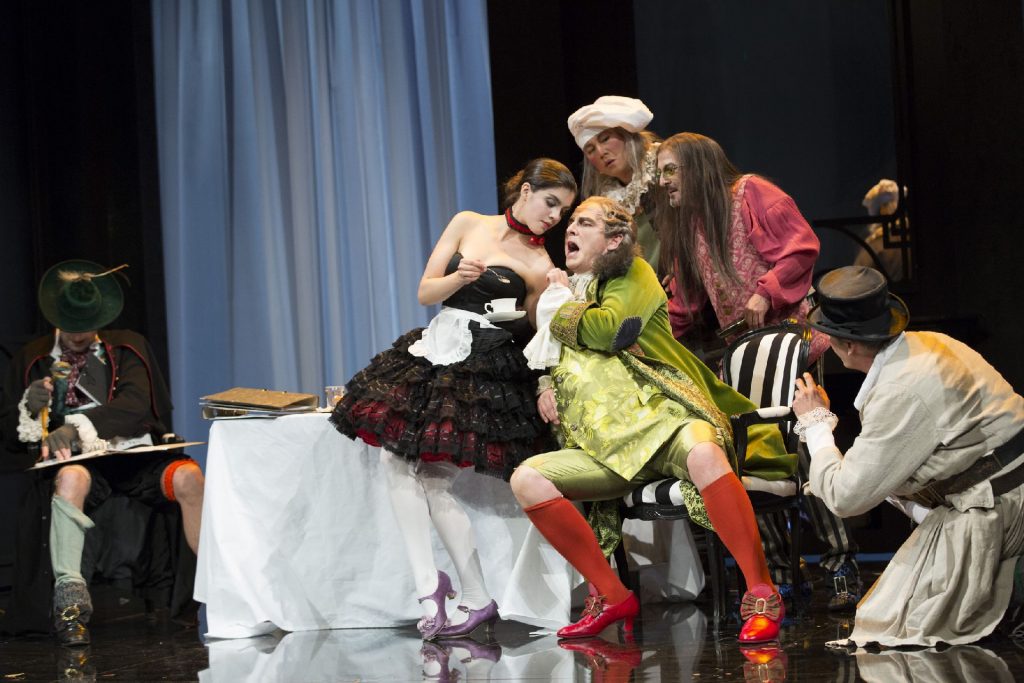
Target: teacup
[500,305]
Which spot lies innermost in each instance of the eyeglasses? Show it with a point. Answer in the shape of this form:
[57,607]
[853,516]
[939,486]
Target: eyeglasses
[669,171]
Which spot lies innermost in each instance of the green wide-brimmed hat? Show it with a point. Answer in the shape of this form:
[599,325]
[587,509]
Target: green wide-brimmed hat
[80,296]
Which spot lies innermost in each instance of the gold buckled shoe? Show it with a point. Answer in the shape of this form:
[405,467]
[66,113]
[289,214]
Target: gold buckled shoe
[846,588]
[71,632]
[73,664]
[72,607]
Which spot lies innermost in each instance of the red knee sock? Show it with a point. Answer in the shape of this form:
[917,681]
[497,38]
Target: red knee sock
[568,532]
[732,516]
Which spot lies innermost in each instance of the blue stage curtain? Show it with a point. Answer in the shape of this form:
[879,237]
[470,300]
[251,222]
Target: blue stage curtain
[310,155]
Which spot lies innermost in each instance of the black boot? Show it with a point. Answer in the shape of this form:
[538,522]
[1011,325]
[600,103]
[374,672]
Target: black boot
[73,665]
[72,607]
[846,588]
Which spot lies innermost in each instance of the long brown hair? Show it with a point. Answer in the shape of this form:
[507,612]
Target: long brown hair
[707,177]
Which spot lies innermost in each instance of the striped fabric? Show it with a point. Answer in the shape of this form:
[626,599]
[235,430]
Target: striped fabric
[761,365]
[666,491]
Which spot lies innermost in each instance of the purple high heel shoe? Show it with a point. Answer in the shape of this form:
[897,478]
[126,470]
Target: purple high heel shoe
[433,653]
[429,626]
[477,617]
[477,651]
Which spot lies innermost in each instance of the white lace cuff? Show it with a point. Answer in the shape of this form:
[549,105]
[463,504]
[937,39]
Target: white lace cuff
[544,350]
[30,429]
[814,417]
[544,383]
[87,434]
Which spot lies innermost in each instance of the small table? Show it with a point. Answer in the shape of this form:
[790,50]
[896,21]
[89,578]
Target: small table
[298,534]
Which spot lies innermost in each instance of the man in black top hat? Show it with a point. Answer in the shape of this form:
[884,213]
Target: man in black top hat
[77,390]
[941,437]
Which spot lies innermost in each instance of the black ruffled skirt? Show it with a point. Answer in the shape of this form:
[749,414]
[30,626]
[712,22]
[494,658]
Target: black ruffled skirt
[480,412]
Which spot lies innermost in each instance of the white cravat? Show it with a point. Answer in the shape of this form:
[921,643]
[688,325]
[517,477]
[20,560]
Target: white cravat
[544,350]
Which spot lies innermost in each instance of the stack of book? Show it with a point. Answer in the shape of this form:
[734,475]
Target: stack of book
[242,402]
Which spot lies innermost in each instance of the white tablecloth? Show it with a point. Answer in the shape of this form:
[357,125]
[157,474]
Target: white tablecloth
[298,534]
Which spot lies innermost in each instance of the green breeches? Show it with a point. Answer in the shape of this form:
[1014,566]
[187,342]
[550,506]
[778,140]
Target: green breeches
[578,476]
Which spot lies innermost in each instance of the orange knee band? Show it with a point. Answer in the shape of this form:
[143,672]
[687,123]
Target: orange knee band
[167,481]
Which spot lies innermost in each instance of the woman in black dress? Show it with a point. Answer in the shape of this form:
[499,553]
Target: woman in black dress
[458,393]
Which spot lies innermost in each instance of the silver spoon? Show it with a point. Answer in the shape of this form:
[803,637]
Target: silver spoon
[501,278]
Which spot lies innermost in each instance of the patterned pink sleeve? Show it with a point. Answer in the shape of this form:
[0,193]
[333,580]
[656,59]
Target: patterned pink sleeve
[683,312]
[784,239]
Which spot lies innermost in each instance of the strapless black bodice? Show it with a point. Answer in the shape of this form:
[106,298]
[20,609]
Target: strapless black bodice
[473,296]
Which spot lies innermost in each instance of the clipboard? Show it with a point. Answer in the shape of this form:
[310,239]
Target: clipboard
[53,462]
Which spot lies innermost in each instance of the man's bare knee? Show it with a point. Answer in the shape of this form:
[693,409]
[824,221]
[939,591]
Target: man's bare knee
[73,481]
[706,462]
[520,480]
[188,483]
[531,487]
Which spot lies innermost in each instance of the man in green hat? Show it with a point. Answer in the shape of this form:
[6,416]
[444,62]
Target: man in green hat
[942,437]
[77,390]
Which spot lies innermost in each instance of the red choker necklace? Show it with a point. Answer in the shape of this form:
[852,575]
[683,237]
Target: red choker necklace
[522,229]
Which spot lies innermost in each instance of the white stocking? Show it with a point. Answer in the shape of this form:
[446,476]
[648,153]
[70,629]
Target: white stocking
[452,524]
[409,503]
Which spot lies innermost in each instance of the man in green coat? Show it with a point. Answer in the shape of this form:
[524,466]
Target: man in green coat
[634,406]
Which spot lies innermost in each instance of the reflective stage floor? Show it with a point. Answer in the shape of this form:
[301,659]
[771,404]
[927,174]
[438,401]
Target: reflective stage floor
[674,642]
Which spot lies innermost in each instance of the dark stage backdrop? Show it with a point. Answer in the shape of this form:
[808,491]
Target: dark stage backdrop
[966,156]
[77,170]
[798,92]
[825,98]
[78,161]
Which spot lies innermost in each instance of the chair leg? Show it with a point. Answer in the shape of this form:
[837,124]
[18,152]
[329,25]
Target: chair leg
[716,574]
[819,371]
[623,568]
[630,580]
[794,550]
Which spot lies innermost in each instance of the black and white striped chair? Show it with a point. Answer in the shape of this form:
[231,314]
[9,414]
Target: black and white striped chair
[762,365]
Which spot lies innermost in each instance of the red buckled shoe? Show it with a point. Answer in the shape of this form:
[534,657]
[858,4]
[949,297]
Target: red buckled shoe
[762,611]
[598,615]
[602,655]
[765,664]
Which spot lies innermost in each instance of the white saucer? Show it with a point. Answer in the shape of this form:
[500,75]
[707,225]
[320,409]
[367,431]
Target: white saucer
[504,316]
